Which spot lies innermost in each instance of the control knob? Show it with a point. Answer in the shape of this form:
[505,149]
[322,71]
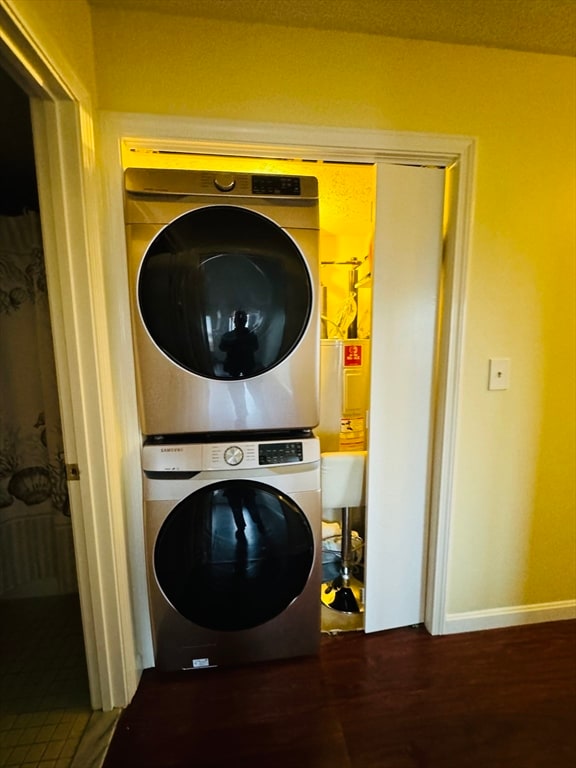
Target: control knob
[233,455]
[225,182]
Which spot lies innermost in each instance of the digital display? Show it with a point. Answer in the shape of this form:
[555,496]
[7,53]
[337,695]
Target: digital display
[276,185]
[280,453]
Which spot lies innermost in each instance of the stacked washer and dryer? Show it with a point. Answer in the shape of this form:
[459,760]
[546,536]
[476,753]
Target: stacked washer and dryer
[223,272]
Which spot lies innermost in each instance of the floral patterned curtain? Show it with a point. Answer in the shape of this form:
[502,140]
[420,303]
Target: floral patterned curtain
[36,548]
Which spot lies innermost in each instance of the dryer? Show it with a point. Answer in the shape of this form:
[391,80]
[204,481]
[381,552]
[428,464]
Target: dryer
[223,273]
[233,549]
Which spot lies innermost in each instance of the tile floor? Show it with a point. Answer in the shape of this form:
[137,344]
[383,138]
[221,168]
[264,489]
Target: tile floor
[44,697]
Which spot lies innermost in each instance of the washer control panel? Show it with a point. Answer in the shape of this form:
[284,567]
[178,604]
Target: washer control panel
[199,457]
[251,455]
[280,453]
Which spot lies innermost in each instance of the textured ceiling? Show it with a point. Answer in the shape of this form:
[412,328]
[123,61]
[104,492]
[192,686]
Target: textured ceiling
[540,26]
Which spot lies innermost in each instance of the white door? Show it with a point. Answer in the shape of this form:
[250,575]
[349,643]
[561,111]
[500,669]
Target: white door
[406,280]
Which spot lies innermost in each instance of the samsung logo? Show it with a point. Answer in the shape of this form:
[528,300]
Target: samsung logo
[171,450]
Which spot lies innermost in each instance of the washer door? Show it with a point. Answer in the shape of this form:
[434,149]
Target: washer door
[234,555]
[224,292]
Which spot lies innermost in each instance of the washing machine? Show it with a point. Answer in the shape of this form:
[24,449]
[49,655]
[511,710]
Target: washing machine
[223,273]
[233,548]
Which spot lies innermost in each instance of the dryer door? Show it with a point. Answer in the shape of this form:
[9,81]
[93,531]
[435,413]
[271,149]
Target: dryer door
[224,292]
[234,555]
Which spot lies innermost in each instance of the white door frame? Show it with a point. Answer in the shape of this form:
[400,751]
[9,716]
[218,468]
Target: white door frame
[237,139]
[65,165]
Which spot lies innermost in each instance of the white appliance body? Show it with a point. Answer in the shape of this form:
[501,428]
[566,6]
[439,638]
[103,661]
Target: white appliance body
[233,548]
[223,274]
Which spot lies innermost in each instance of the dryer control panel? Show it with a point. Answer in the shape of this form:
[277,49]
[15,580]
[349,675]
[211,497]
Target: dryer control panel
[181,183]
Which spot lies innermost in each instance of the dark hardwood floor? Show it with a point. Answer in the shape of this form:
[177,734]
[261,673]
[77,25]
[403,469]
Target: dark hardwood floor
[396,699]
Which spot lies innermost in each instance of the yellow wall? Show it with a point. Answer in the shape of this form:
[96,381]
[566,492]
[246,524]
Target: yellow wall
[513,538]
[64,29]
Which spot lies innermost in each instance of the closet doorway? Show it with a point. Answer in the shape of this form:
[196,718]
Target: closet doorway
[38,581]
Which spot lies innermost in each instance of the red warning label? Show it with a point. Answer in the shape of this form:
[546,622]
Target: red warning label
[352,355]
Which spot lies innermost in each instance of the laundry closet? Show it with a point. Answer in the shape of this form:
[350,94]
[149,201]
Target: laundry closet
[337,248]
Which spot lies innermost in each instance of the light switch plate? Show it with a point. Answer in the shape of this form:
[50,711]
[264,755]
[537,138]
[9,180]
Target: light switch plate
[499,373]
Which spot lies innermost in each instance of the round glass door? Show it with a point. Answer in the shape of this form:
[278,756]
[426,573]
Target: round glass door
[234,555]
[224,292]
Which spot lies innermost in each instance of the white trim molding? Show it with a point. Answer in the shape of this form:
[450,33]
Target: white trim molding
[62,120]
[511,616]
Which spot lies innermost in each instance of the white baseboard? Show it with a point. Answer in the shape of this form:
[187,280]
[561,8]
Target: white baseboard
[513,616]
